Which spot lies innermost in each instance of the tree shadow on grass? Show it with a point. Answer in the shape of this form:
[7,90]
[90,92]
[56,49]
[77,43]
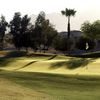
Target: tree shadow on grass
[26,65]
[72,63]
[5,61]
[15,54]
[52,57]
[11,57]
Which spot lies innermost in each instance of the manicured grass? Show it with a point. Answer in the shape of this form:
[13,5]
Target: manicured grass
[52,64]
[51,86]
[48,77]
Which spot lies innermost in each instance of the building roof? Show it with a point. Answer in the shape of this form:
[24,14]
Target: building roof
[74,33]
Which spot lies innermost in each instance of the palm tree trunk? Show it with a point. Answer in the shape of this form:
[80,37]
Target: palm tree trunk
[68,28]
[68,35]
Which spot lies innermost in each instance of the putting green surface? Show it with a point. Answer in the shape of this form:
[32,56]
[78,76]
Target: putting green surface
[49,77]
[52,64]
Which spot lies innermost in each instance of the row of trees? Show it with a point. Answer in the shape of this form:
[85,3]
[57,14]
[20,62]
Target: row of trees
[43,35]
[24,34]
[40,36]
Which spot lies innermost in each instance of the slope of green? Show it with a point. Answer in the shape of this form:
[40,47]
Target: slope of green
[48,77]
[49,63]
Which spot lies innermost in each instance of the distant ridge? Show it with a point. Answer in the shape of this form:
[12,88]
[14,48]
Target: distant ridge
[60,22]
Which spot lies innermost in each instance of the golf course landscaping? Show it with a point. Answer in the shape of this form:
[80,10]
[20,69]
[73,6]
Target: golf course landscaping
[39,76]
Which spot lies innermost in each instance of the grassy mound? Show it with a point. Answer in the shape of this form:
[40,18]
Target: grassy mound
[49,63]
[30,76]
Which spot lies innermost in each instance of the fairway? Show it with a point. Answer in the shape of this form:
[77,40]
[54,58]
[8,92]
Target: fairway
[39,86]
[49,77]
[12,91]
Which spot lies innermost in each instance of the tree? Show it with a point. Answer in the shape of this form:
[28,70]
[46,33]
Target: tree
[91,30]
[33,39]
[60,42]
[3,25]
[85,43]
[25,34]
[48,34]
[38,29]
[68,13]
[40,19]
[19,30]
[15,30]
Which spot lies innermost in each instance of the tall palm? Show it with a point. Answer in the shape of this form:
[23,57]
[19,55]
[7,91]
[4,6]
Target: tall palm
[68,13]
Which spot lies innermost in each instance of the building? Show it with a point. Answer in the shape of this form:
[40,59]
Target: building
[74,36]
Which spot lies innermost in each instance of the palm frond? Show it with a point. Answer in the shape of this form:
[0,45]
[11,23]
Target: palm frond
[68,12]
[63,12]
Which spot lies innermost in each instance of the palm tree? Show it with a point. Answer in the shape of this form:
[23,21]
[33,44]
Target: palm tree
[68,13]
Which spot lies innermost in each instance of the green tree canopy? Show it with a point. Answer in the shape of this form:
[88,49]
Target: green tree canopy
[19,30]
[3,25]
[91,30]
[44,32]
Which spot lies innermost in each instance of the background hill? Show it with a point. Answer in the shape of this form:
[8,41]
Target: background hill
[60,22]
